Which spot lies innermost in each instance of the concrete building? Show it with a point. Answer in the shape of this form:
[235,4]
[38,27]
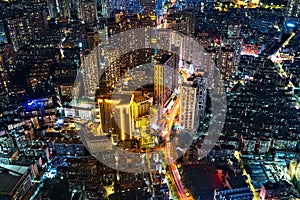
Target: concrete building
[15,182]
[87,11]
[23,28]
[192,102]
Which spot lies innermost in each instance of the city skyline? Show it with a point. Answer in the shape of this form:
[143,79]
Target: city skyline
[149,99]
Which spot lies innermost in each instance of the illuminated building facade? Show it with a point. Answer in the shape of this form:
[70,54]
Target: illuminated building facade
[117,116]
[111,61]
[148,6]
[184,23]
[24,28]
[4,82]
[293,9]
[110,7]
[192,102]
[229,58]
[294,172]
[238,193]
[90,72]
[278,190]
[143,105]
[65,9]
[264,145]
[124,115]
[162,84]
[226,58]
[248,144]
[87,11]
[234,30]
[188,106]
[165,77]
[51,8]
[60,8]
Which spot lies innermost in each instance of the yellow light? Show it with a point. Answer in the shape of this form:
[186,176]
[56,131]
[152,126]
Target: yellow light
[112,101]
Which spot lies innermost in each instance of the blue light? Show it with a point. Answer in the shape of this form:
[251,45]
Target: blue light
[60,121]
[291,25]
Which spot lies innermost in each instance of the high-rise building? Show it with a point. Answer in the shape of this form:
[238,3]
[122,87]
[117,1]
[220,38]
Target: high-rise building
[90,72]
[124,116]
[51,5]
[110,60]
[3,37]
[89,37]
[148,6]
[184,23]
[293,9]
[109,7]
[162,89]
[234,30]
[26,27]
[165,77]
[117,116]
[59,8]
[87,11]
[229,58]
[192,102]
[226,57]
[4,81]
[65,9]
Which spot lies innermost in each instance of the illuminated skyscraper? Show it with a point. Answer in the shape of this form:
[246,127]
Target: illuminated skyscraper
[26,27]
[148,6]
[229,57]
[110,60]
[90,72]
[192,102]
[124,116]
[108,7]
[159,84]
[165,78]
[87,11]
[293,9]
[226,57]
[59,8]
[65,9]
[117,116]
[51,5]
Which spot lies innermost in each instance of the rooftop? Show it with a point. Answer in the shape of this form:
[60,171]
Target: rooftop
[10,176]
